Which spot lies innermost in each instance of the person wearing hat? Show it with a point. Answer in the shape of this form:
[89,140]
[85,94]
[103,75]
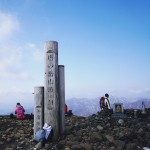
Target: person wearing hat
[19,111]
[107,104]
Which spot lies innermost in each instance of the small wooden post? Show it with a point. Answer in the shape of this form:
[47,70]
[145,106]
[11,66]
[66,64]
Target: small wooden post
[38,108]
[61,98]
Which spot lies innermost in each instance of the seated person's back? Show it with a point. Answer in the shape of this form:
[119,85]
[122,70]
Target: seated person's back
[19,111]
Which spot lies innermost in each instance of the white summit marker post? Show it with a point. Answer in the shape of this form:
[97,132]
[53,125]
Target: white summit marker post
[49,100]
[51,96]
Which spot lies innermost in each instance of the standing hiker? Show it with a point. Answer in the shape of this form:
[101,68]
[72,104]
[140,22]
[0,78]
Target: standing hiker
[107,104]
[104,102]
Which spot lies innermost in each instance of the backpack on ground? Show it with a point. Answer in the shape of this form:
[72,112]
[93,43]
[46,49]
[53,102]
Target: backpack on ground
[102,102]
[40,135]
[44,134]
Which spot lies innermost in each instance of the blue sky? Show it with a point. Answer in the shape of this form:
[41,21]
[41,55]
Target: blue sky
[104,46]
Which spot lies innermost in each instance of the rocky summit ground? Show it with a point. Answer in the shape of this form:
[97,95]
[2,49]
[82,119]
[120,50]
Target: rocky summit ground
[95,132]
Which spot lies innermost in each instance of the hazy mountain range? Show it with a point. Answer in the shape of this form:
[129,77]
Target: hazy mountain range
[86,107]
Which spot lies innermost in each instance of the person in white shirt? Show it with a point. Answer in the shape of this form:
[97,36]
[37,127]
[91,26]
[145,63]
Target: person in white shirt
[107,104]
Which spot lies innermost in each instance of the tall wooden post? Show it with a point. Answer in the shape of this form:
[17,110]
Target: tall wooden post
[38,108]
[61,98]
[51,102]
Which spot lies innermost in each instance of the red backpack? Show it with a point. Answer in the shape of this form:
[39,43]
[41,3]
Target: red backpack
[102,102]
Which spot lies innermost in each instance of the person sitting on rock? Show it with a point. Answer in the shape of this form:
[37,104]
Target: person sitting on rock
[19,111]
[67,111]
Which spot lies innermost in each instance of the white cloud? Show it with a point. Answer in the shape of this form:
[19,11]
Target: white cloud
[8,25]
[15,62]
[14,90]
[15,57]
[37,54]
[10,54]
[31,45]
[139,91]
[147,90]
[12,94]
[10,64]
[135,91]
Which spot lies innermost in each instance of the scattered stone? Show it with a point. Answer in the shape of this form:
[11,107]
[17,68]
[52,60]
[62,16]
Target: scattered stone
[100,128]
[38,145]
[121,121]
[82,133]
[110,138]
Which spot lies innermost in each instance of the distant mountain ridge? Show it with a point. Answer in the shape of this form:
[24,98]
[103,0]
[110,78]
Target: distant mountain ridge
[86,107]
